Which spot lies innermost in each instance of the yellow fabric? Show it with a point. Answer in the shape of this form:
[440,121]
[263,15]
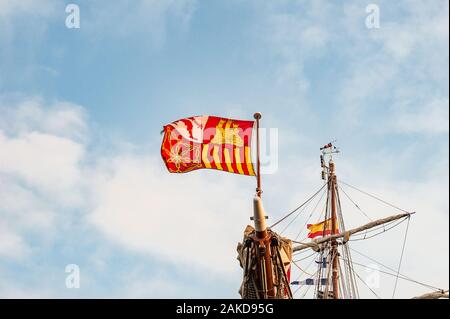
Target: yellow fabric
[314,228]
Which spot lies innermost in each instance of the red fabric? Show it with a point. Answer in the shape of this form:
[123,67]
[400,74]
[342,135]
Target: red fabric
[319,233]
[206,142]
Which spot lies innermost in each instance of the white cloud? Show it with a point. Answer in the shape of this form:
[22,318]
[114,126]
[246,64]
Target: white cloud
[41,160]
[22,208]
[60,118]
[432,118]
[295,38]
[193,220]
[11,244]
[136,202]
[408,53]
[40,172]
[370,66]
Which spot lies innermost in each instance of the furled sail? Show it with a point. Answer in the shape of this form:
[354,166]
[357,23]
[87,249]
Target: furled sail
[281,252]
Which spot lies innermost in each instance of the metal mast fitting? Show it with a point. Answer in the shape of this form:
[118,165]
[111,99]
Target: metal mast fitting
[259,216]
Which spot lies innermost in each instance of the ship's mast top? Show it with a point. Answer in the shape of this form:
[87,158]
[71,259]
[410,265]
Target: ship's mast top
[328,174]
[327,155]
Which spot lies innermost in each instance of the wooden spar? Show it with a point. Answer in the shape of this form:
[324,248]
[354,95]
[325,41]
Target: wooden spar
[257,117]
[334,244]
[263,239]
[262,242]
[434,295]
[351,232]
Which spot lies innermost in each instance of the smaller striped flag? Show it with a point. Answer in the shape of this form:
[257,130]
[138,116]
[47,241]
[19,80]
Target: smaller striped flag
[320,229]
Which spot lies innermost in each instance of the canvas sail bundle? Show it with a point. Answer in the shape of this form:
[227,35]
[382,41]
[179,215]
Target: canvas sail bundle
[281,259]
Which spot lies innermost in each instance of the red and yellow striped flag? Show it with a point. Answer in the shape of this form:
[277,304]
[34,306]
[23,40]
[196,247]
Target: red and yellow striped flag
[320,229]
[208,142]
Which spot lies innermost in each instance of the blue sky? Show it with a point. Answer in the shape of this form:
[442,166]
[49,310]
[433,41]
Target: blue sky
[81,180]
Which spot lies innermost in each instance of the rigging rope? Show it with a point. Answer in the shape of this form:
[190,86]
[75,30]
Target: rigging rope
[298,214]
[401,257]
[392,269]
[329,274]
[352,289]
[352,272]
[401,276]
[301,259]
[303,271]
[375,197]
[307,201]
[301,286]
[365,284]
[343,287]
[310,215]
[306,268]
[303,296]
[356,205]
[298,278]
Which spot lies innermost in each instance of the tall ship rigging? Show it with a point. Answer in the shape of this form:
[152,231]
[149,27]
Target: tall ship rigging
[278,266]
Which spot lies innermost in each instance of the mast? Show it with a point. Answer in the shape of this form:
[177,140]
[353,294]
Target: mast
[257,117]
[263,238]
[266,269]
[334,244]
[328,174]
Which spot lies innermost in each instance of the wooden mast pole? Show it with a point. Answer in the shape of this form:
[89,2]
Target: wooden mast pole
[263,238]
[257,117]
[334,231]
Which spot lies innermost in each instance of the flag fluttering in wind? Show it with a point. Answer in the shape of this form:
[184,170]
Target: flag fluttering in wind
[208,142]
[320,229]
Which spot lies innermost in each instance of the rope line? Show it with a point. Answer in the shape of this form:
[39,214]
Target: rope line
[401,257]
[301,259]
[375,197]
[301,211]
[392,269]
[307,201]
[400,277]
[365,284]
[356,205]
[310,215]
